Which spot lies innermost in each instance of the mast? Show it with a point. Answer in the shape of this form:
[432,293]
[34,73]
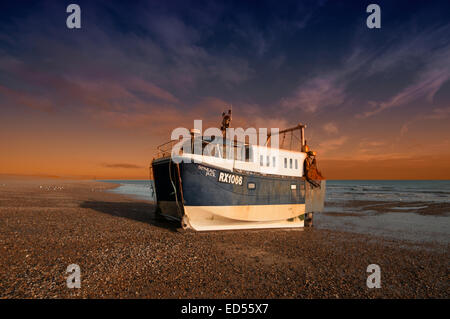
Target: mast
[300,127]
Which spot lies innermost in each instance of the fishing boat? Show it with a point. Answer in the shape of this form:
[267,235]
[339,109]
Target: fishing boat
[259,186]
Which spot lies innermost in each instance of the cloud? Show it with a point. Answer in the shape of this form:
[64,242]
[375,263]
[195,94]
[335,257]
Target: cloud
[381,156]
[429,54]
[330,128]
[439,114]
[121,165]
[425,55]
[164,62]
[326,146]
[315,94]
[366,143]
[150,90]
[435,114]
[427,86]
[17,98]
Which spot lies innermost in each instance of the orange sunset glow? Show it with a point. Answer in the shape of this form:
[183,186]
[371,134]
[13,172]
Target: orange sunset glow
[96,102]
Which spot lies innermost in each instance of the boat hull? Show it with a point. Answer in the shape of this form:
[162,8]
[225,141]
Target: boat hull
[204,218]
[205,197]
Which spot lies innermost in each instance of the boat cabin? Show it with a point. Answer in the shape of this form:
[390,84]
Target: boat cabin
[244,157]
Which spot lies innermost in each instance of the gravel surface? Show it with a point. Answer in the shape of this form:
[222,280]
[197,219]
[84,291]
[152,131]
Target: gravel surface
[124,252]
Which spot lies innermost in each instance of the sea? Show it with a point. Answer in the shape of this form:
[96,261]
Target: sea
[412,210]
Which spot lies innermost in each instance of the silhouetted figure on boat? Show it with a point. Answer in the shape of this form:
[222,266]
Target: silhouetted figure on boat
[226,121]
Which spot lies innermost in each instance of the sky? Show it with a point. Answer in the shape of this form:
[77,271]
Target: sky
[95,102]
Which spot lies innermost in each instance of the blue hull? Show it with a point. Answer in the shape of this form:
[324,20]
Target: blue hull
[206,185]
[206,197]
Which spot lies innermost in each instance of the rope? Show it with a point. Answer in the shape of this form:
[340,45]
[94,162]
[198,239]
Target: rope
[150,181]
[174,188]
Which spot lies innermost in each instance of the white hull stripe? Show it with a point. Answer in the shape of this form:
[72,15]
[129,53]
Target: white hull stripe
[244,217]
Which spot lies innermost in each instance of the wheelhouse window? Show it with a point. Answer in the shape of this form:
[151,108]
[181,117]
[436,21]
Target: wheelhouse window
[274,161]
[296,164]
[285,162]
[261,160]
[248,154]
[268,161]
[290,163]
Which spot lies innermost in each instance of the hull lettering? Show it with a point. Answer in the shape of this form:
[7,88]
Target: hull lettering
[230,178]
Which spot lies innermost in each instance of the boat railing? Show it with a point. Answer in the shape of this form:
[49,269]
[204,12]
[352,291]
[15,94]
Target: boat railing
[165,149]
